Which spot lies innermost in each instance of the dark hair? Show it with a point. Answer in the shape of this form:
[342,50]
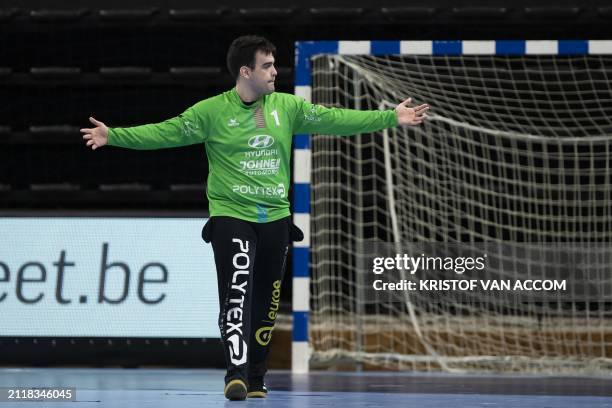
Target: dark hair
[242,52]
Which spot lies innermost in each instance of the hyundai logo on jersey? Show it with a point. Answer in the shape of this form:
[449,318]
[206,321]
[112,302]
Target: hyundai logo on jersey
[261,141]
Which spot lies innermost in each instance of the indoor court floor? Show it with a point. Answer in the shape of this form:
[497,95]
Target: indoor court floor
[190,388]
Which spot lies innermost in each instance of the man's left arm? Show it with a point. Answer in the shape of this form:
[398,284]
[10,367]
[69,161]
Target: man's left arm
[311,118]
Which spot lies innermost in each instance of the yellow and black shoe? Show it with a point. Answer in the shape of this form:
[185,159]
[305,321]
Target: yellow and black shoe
[257,388]
[235,390]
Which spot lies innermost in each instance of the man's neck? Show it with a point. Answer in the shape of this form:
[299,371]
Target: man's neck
[246,94]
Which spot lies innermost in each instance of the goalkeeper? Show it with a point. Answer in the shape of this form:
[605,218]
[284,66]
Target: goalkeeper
[247,133]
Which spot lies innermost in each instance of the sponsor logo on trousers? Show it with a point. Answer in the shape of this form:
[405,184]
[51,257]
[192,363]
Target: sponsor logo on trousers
[264,334]
[240,279]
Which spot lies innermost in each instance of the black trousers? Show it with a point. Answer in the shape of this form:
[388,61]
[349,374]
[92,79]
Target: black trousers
[250,259]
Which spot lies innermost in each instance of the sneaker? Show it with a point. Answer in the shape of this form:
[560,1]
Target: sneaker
[235,390]
[257,388]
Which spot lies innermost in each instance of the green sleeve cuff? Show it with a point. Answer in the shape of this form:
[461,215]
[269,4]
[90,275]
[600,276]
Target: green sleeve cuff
[110,137]
[393,122]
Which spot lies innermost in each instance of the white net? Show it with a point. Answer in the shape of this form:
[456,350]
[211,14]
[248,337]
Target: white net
[517,150]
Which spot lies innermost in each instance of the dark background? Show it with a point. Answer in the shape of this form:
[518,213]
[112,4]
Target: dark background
[88,45]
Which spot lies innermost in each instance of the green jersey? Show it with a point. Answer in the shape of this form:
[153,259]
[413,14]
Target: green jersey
[249,146]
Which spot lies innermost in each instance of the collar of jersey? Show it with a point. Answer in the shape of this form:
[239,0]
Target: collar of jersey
[236,99]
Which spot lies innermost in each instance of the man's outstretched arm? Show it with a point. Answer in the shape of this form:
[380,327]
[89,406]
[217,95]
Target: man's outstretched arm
[312,118]
[185,129]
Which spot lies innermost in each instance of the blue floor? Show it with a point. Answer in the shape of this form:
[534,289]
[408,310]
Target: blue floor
[187,388]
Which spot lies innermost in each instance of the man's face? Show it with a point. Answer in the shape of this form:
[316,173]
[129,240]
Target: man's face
[261,78]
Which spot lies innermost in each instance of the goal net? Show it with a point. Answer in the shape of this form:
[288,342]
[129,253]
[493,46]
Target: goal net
[517,151]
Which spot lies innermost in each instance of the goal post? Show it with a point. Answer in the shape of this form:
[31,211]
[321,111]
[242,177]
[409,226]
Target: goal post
[517,151]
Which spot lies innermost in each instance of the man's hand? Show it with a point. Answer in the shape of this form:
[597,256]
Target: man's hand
[96,137]
[410,116]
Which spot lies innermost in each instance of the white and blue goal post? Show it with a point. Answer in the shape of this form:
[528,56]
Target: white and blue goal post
[304,50]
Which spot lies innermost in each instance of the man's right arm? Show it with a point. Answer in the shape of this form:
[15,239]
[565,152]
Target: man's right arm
[188,128]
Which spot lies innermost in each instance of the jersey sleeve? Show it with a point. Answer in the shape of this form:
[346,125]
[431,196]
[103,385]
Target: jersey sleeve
[190,127]
[311,118]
